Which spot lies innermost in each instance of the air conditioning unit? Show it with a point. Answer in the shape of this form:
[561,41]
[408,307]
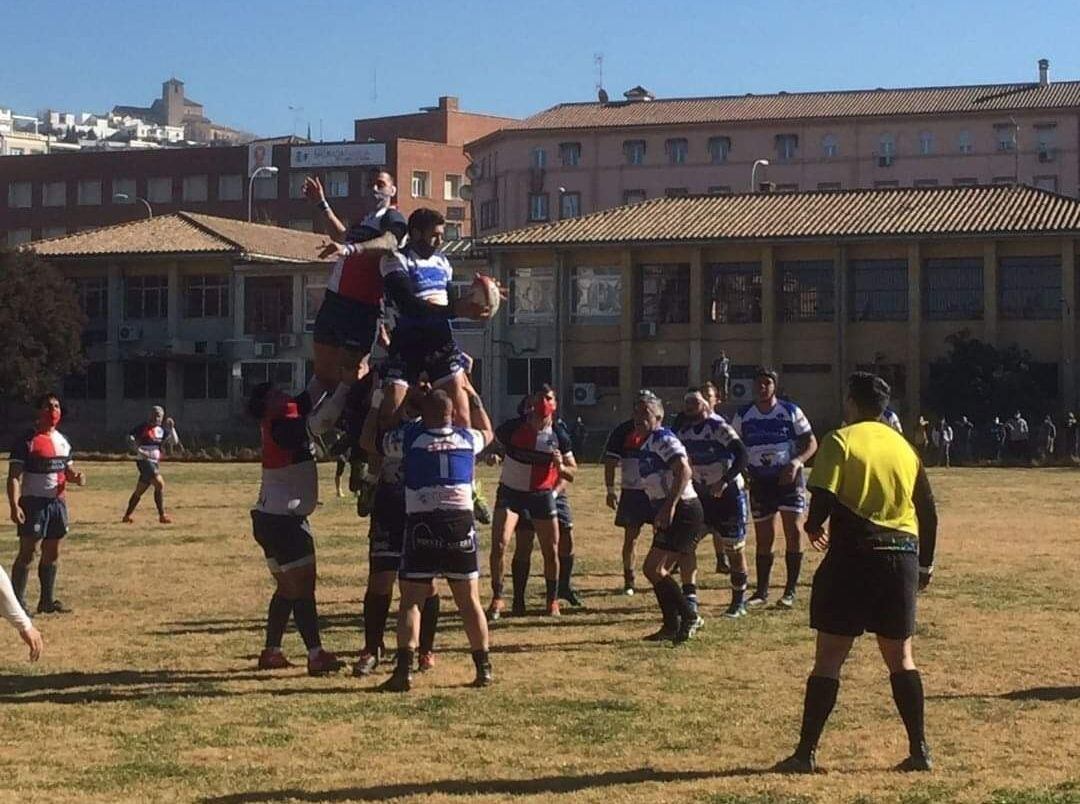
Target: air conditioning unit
[740,390]
[884,161]
[1046,155]
[287,340]
[584,393]
[129,334]
[646,329]
[265,349]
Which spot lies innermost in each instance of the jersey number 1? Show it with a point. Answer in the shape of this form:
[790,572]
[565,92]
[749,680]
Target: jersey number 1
[444,465]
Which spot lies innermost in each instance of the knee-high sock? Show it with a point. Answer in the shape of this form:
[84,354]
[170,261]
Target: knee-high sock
[519,571]
[668,610]
[566,570]
[19,574]
[159,501]
[277,619]
[47,576]
[678,599]
[133,503]
[307,621]
[429,624]
[764,563]
[907,691]
[689,591]
[793,563]
[738,587]
[376,608]
[817,706]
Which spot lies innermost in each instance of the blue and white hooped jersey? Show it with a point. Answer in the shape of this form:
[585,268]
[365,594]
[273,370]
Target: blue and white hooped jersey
[429,280]
[437,465]
[660,448]
[708,444]
[890,418]
[771,437]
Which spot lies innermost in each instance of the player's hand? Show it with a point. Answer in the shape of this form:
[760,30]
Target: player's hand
[313,189]
[612,500]
[663,518]
[170,422]
[718,488]
[789,473]
[557,458]
[32,637]
[79,479]
[18,516]
[504,294]
[331,249]
[924,579]
[384,335]
[465,307]
[493,459]
[819,540]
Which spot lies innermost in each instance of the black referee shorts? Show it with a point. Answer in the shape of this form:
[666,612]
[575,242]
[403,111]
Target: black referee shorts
[686,529]
[867,590]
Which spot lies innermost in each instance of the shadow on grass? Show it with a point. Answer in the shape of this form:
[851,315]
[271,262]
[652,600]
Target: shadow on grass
[487,787]
[1032,694]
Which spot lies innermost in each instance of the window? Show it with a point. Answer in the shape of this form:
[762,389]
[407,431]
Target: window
[314,290]
[1046,141]
[926,143]
[719,148]
[633,196]
[596,295]
[720,189]
[887,147]
[600,376]
[1047,183]
[266,187]
[665,294]
[206,296]
[569,205]
[54,194]
[452,187]
[143,379]
[879,290]
[675,192]
[89,384]
[665,376]
[736,293]
[53,231]
[301,224]
[1029,288]
[336,184]
[525,375]
[1003,180]
[953,289]
[455,213]
[193,188]
[93,293]
[805,289]
[146,296]
[280,372]
[570,154]
[489,214]
[806,368]
[786,146]
[926,182]
[965,181]
[538,206]
[830,146]
[208,380]
[20,194]
[1005,136]
[532,295]
[451,231]
[296,183]
[230,187]
[268,309]
[963,142]
[16,237]
[787,188]
[677,150]
[538,159]
[634,152]
[829,186]
[159,190]
[886,183]
[125,187]
[420,181]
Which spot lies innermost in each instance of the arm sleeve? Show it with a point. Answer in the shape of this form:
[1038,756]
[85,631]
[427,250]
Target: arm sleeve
[827,464]
[800,422]
[614,446]
[669,448]
[821,506]
[926,511]
[400,293]
[9,604]
[505,431]
[566,444]
[394,222]
[740,462]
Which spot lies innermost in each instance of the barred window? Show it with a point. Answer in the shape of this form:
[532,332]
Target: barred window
[207,296]
[665,376]
[879,290]
[664,294]
[146,297]
[736,293]
[805,289]
[602,376]
[93,296]
[1030,288]
[953,289]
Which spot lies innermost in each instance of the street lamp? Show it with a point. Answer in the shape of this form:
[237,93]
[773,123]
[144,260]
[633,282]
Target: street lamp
[140,199]
[753,173]
[269,170]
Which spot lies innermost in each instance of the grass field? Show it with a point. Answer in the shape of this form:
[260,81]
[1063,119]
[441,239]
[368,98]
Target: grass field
[148,692]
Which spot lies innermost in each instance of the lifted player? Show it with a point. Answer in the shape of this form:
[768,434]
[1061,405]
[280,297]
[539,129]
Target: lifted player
[148,438]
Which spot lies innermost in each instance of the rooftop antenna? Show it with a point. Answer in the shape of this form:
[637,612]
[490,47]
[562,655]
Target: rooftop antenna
[598,68]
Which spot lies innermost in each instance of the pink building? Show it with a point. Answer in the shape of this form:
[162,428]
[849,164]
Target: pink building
[577,158]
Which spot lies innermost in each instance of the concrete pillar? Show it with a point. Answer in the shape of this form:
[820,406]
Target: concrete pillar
[298,304]
[175,296]
[114,377]
[697,315]
[236,380]
[560,374]
[628,381]
[841,358]
[174,370]
[1068,324]
[914,343]
[768,306]
[238,306]
[990,293]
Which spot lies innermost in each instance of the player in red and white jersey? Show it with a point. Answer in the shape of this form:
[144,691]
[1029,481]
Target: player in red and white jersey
[39,471]
[538,457]
[148,438]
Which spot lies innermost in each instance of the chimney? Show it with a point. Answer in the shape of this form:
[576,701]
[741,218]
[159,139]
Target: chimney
[1044,72]
[448,103]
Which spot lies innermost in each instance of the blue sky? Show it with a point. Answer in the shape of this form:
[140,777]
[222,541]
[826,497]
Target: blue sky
[248,62]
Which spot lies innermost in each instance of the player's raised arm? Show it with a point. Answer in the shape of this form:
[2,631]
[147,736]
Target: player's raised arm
[479,419]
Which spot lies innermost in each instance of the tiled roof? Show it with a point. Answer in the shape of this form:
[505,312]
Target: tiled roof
[805,105]
[188,233]
[904,212]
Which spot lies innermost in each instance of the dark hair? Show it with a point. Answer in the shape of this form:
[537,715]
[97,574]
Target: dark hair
[438,404]
[393,179]
[766,371]
[544,389]
[256,403]
[523,405]
[869,392]
[424,219]
[43,399]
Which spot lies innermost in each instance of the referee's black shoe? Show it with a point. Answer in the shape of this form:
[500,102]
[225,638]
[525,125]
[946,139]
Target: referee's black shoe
[797,764]
[918,760]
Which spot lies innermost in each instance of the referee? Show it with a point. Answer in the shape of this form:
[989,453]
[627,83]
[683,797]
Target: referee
[869,483]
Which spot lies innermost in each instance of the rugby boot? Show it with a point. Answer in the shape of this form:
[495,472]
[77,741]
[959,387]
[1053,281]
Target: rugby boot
[398,682]
[322,663]
[918,760]
[271,659]
[484,676]
[366,663]
[425,662]
[797,763]
[495,609]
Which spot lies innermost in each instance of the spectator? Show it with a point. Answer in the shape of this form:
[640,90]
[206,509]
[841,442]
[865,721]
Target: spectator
[721,369]
[943,440]
[1072,437]
[577,436]
[1047,439]
[998,434]
[1018,433]
[965,441]
[921,438]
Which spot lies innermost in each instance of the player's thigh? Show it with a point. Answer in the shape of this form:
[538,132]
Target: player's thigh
[326,360]
[415,592]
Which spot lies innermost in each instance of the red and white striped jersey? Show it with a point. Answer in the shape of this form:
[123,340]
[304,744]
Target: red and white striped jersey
[525,467]
[357,276]
[44,458]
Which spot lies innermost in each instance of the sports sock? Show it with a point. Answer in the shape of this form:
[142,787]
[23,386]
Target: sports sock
[159,501]
[307,622]
[404,662]
[566,571]
[551,589]
[519,571]
[818,704]
[429,624]
[764,563]
[907,691]
[277,619]
[689,591]
[793,563]
[19,574]
[628,578]
[481,659]
[738,587]
[668,611]
[133,503]
[47,576]
[678,600]
[376,608]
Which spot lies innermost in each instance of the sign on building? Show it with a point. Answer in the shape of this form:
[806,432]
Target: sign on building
[348,154]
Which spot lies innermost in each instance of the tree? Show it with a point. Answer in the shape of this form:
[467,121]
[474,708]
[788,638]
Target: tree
[41,326]
[981,381]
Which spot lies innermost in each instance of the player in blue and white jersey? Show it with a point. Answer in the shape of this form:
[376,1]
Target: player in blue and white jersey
[890,418]
[780,441]
[680,523]
[438,460]
[718,458]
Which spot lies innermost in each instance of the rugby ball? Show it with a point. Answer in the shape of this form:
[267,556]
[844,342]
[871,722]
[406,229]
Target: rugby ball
[485,293]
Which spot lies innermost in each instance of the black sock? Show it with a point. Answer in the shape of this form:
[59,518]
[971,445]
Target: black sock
[551,589]
[481,659]
[47,576]
[429,624]
[566,570]
[307,621]
[277,620]
[376,608]
[404,662]
[159,501]
[764,570]
[793,562]
[19,574]
[133,502]
[497,587]
[689,590]
[818,704]
[519,571]
[678,599]
[907,691]
[738,587]
[667,610]
[628,578]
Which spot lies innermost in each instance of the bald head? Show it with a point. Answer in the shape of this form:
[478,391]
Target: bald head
[437,409]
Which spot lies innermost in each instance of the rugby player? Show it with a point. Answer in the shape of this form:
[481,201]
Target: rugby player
[780,441]
[870,485]
[288,494]
[712,399]
[438,461]
[148,439]
[521,562]
[678,519]
[539,457]
[12,611]
[718,458]
[38,473]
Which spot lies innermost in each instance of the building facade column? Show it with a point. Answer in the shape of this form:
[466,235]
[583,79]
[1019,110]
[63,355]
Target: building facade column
[768,306]
[560,373]
[495,338]
[627,381]
[914,342]
[697,316]
[841,355]
[298,304]
[1068,324]
[114,369]
[990,293]
[173,369]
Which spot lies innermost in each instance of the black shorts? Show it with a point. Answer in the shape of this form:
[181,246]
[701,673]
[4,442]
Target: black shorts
[726,515]
[533,504]
[634,509]
[387,534]
[46,517]
[767,496]
[562,512]
[148,470]
[868,590]
[347,323]
[286,540]
[440,544]
[430,352]
[686,529]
